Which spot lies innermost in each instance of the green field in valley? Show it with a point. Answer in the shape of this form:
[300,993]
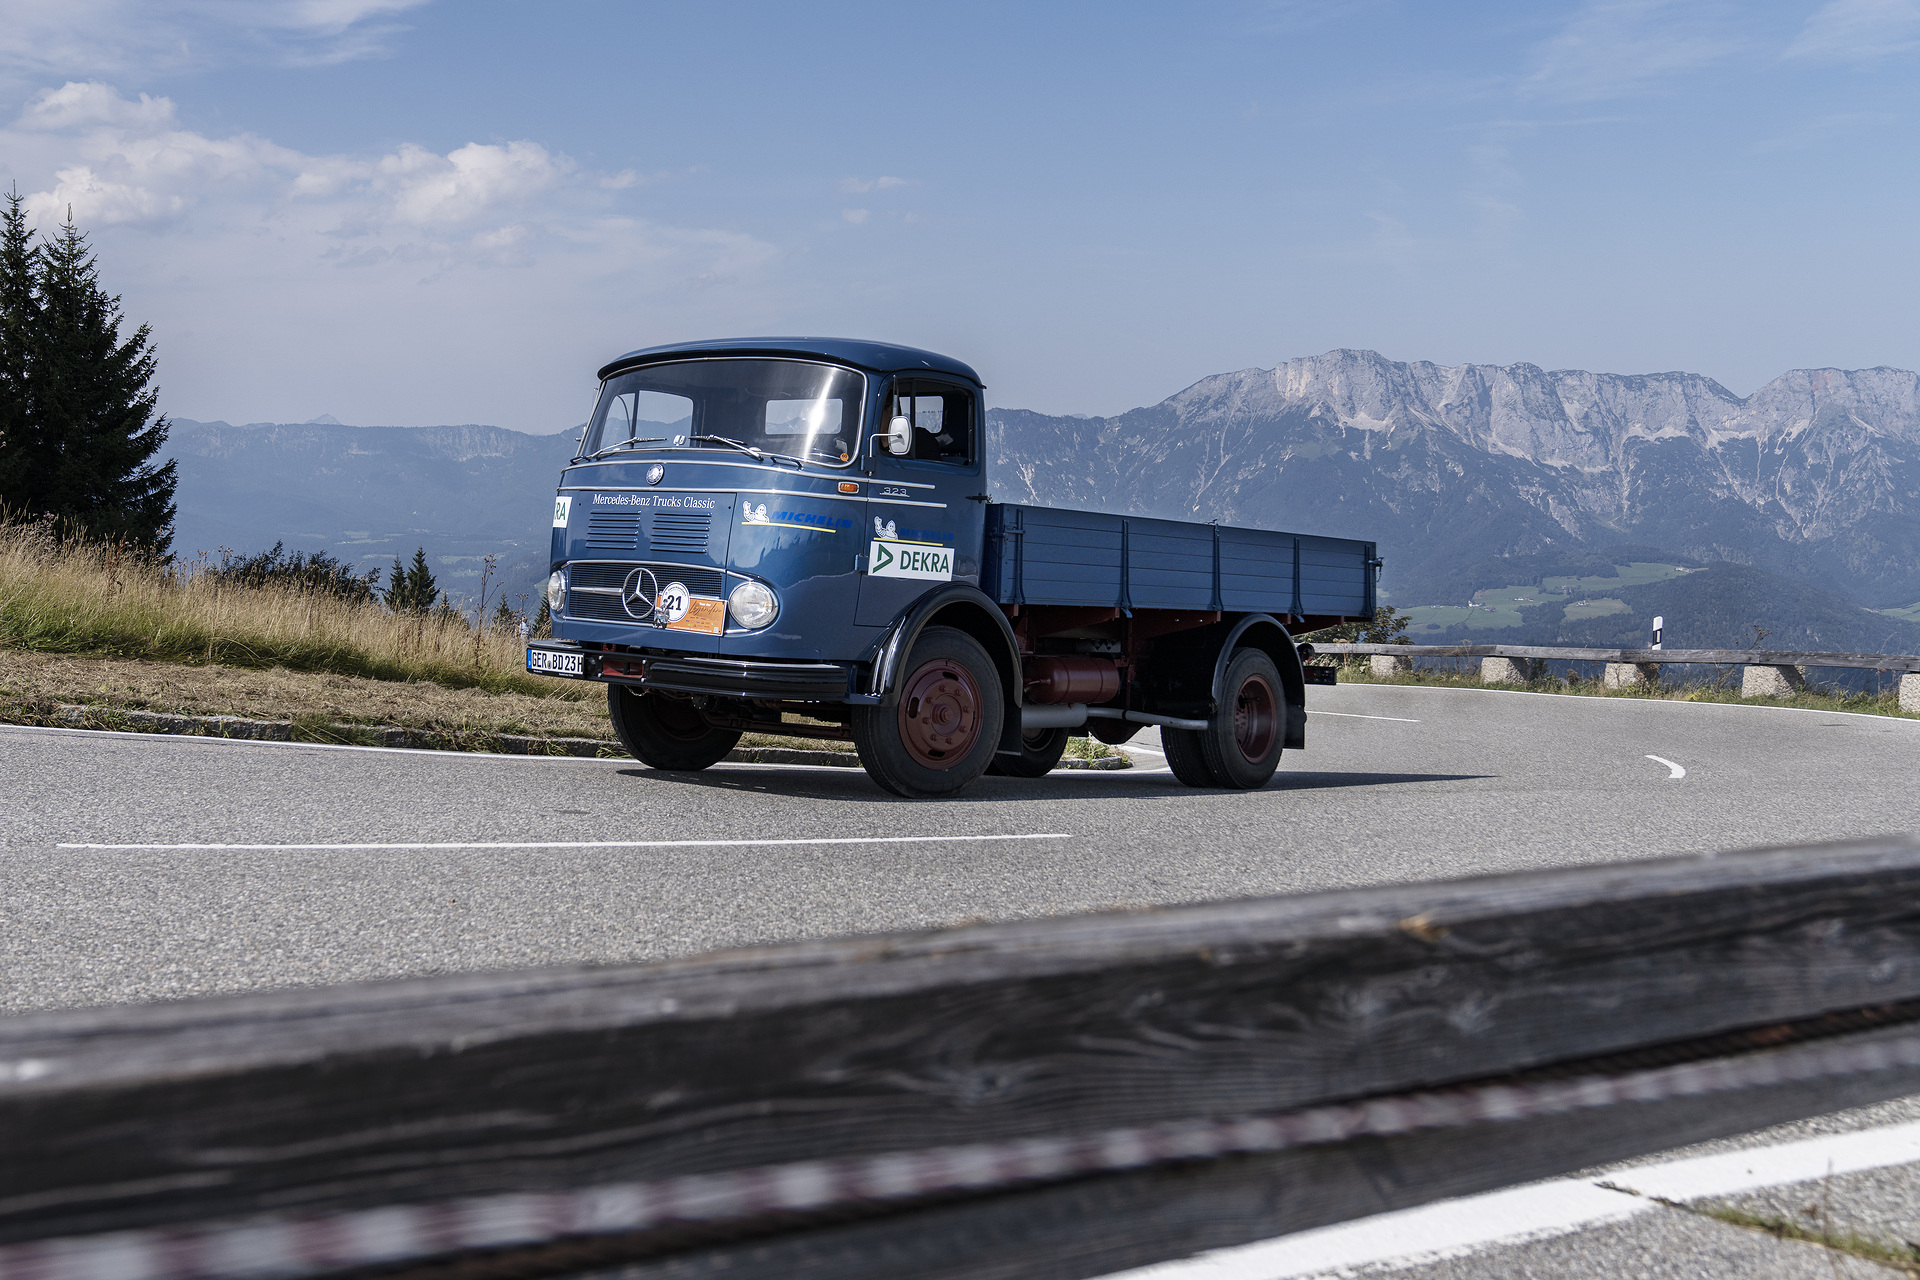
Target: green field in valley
[1499,607]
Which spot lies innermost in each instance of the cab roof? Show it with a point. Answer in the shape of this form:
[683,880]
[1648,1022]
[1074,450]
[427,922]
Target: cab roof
[874,357]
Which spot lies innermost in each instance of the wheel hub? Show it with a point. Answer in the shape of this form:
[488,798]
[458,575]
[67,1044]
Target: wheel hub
[939,714]
[1256,719]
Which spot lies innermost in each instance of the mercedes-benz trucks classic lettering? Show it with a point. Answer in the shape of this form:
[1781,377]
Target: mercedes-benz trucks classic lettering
[794,536]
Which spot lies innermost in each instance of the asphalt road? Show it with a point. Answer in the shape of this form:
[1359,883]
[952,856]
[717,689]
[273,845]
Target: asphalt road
[1397,784]
[487,862]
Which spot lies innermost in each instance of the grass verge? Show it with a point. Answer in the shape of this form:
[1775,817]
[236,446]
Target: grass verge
[1902,1256]
[101,600]
[1883,704]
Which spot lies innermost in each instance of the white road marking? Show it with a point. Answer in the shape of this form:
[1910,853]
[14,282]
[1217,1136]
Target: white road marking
[1676,772]
[1350,715]
[1411,1237]
[318,746]
[583,844]
[1471,1224]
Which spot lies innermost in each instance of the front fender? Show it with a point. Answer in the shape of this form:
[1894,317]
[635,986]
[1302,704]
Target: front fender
[955,604]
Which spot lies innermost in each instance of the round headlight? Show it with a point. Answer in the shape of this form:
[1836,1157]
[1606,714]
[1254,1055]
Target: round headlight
[556,589]
[752,604]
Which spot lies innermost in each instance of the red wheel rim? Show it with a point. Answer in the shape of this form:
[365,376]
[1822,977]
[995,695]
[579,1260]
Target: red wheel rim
[940,714]
[1256,719]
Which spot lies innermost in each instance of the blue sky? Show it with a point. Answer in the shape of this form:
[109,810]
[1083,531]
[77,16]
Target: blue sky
[398,211]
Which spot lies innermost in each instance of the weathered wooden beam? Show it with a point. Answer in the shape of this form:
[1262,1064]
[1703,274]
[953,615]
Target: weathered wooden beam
[1096,1226]
[424,1090]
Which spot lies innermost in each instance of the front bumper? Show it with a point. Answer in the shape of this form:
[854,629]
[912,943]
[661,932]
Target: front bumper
[750,678]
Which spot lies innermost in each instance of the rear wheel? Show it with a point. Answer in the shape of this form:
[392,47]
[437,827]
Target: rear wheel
[666,733]
[1241,745]
[1184,757]
[943,732]
[1040,751]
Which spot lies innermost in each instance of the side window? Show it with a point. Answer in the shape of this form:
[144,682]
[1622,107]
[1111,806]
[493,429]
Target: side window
[942,417]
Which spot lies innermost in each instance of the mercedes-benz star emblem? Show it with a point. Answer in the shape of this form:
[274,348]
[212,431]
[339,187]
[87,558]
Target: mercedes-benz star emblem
[655,472]
[638,593]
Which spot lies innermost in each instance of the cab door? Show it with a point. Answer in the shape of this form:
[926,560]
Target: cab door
[924,523]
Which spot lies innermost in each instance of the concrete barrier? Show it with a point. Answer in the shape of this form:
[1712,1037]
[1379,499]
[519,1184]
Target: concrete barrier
[1757,681]
[1631,675]
[1512,670]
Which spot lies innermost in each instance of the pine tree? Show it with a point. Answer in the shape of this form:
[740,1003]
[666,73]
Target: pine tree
[86,432]
[411,589]
[19,324]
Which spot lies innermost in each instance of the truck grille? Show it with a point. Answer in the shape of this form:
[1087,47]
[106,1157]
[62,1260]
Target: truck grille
[594,586]
[680,531]
[613,531]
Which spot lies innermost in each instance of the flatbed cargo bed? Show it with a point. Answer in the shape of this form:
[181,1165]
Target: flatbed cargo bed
[1047,556]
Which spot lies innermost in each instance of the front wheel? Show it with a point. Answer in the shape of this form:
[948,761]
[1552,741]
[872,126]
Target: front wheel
[666,733]
[1040,751]
[943,731]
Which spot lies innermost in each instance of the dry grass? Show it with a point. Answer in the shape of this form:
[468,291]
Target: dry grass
[65,597]
[32,684]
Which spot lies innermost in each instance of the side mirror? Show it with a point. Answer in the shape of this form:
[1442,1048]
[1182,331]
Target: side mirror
[899,437]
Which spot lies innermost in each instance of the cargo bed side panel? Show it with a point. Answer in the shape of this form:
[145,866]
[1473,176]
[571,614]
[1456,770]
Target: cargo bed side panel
[1042,556]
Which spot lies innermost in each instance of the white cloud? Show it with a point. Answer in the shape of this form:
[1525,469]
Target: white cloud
[466,182]
[1616,48]
[265,270]
[856,216]
[860,186]
[43,39]
[1858,31]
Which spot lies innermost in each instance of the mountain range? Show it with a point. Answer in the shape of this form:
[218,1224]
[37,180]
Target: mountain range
[1466,476]
[1813,476]
[371,494]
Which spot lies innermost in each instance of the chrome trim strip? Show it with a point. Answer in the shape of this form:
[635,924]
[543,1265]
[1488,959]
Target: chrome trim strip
[791,493]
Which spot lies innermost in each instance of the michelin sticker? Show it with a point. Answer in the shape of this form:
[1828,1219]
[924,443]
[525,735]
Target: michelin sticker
[909,560]
[561,506]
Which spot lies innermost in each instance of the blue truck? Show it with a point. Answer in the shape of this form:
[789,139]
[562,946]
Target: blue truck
[794,536]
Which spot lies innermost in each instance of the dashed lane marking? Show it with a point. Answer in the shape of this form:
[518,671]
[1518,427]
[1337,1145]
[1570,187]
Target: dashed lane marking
[573,844]
[1352,715]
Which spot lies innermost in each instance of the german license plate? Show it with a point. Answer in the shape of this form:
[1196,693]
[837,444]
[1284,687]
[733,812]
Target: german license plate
[556,662]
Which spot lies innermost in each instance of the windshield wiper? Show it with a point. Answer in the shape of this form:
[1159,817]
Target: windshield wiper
[618,444]
[758,455]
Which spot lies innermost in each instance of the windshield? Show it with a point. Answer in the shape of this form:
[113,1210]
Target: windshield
[792,407]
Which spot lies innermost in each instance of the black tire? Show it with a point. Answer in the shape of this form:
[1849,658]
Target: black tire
[1039,752]
[945,728]
[1241,745]
[1185,758]
[666,733]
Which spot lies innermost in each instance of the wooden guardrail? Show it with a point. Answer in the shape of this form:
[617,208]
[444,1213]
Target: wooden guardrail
[1052,1098]
[1713,657]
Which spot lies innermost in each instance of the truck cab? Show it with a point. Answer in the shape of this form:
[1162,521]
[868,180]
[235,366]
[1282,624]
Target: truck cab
[792,536]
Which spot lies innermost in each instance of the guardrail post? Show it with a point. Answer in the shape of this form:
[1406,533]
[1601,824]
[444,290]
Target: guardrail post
[1631,675]
[1393,665]
[1910,693]
[1511,670]
[1772,682]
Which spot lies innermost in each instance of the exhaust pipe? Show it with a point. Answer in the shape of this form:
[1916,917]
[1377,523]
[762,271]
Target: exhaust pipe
[1075,714]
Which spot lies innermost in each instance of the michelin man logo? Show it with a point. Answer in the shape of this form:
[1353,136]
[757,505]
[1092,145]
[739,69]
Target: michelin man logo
[887,530]
[753,514]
